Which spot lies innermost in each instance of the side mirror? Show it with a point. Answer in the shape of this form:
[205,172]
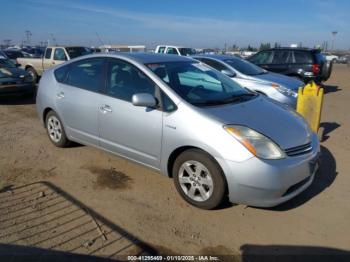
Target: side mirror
[144,100]
[229,73]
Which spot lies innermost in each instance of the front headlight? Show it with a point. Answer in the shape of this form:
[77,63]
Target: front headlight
[258,144]
[283,90]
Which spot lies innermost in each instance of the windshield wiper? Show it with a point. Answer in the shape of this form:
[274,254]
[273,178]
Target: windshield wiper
[231,99]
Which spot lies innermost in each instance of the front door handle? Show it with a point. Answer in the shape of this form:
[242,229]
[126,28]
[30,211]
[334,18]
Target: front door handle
[105,109]
[60,95]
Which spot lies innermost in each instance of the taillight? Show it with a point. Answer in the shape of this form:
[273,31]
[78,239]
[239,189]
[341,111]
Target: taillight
[315,69]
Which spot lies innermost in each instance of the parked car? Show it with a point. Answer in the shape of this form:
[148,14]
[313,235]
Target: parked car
[174,50]
[303,63]
[13,54]
[184,119]
[279,87]
[53,56]
[14,80]
[344,59]
[331,57]
[36,52]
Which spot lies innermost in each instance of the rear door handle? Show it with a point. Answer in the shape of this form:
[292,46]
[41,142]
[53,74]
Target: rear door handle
[60,95]
[105,109]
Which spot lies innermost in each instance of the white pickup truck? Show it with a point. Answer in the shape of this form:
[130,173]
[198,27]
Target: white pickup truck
[54,55]
[175,50]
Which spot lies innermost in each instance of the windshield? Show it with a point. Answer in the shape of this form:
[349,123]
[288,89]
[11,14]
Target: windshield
[6,63]
[77,51]
[245,67]
[187,51]
[198,84]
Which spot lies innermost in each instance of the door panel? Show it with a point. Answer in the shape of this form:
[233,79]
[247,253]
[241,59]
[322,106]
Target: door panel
[134,132]
[78,109]
[79,97]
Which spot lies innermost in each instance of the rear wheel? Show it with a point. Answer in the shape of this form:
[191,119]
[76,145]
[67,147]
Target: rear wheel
[31,71]
[199,179]
[55,130]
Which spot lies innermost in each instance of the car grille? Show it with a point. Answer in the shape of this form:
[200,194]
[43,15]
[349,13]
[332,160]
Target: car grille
[299,150]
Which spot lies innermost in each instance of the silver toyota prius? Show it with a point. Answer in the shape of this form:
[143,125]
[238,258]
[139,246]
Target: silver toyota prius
[184,119]
[281,88]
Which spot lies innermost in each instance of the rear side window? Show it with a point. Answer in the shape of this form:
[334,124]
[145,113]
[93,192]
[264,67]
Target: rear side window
[301,57]
[86,74]
[61,74]
[263,57]
[280,57]
[171,51]
[48,53]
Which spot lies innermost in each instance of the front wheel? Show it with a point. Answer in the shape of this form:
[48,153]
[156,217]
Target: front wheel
[199,179]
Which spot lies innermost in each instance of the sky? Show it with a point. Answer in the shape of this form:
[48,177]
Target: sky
[194,23]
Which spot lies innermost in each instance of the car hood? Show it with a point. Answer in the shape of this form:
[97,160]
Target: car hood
[283,125]
[11,72]
[283,80]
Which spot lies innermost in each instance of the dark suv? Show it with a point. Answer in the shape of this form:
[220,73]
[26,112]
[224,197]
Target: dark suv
[304,63]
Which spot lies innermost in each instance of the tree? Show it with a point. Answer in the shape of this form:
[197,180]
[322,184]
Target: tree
[264,46]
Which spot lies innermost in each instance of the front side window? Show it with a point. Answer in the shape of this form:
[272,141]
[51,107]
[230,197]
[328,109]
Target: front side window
[48,53]
[59,55]
[199,84]
[124,80]
[86,74]
[61,74]
[263,57]
[161,49]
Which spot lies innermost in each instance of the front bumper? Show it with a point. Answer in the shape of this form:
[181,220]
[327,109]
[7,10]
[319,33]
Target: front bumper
[267,183]
[24,88]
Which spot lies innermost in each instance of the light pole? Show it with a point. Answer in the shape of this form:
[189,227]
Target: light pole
[334,33]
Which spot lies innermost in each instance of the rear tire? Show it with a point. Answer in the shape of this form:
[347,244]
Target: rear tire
[33,73]
[199,179]
[55,130]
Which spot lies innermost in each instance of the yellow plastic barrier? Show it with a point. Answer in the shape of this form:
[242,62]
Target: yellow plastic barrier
[309,104]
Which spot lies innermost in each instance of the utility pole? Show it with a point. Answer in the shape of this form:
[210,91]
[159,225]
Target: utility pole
[28,35]
[334,33]
[7,42]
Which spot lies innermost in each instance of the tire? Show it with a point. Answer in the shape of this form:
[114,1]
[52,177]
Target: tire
[205,189]
[55,130]
[33,73]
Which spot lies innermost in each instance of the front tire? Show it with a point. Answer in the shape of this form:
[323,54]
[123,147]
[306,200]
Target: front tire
[55,130]
[199,179]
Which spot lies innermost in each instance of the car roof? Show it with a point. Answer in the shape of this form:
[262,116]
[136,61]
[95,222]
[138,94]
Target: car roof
[293,48]
[217,57]
[147,58]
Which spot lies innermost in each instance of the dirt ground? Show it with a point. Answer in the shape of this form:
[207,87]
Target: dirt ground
[86,201]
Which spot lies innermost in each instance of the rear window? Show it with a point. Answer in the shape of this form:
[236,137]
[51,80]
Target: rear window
[301,57]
